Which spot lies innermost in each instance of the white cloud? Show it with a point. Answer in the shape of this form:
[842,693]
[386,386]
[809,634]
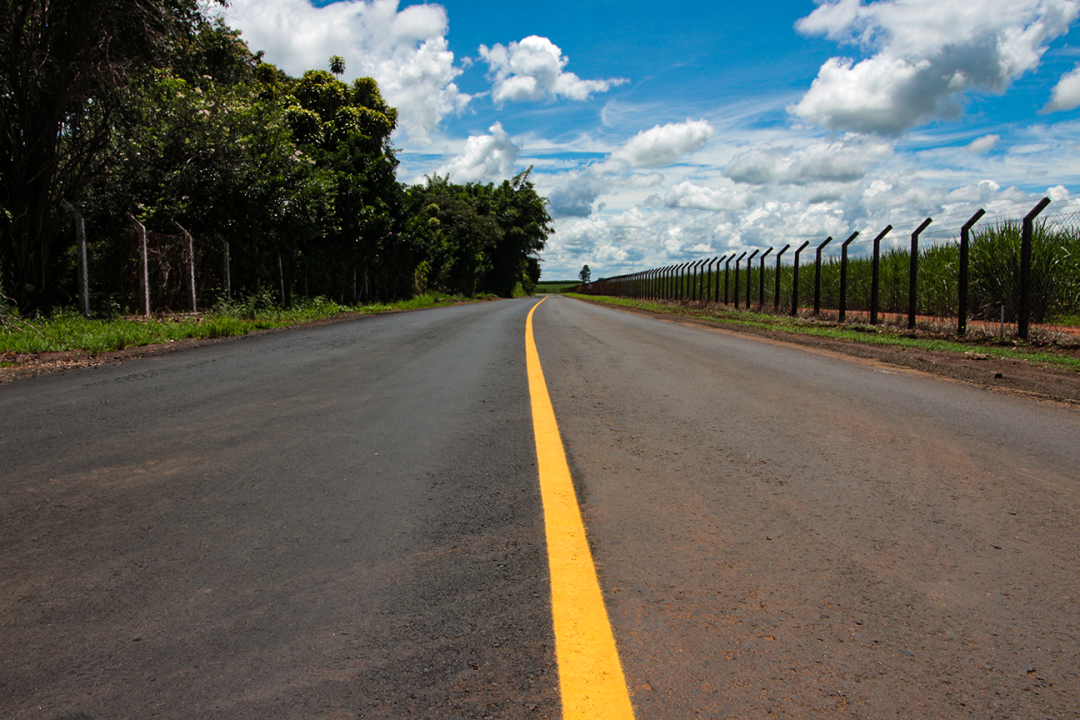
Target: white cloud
[926,52]
[664,144]
[983,144]
[643,181]
[688,195]
[1066,94]
[406,51]
[840,161]
[533,69]
[1058,193]
[576,195]
[486,158]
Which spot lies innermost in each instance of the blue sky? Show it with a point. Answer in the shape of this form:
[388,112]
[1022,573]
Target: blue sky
[662,132]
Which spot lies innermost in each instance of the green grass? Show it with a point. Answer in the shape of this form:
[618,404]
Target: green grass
[69,331]
[871,335]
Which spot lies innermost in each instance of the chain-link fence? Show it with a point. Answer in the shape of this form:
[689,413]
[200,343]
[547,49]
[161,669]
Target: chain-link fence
[1002,273]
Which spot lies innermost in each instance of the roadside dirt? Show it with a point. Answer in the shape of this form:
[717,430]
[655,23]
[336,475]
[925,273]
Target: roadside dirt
[1015,377]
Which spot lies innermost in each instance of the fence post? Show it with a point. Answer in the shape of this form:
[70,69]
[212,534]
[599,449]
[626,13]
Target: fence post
[84,272]
[843,275]
[727,272]
[228,273]
[761,281]
[962,291]
[737,261]
[875,275]
[708,280]
[144,278]
[913,275]
[716,288]
[749,279]
[817,275]
[776,295]
[695,282]
[1025,269]
[191,265]
[795,281]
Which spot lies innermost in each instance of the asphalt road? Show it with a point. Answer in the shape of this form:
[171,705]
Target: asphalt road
[345,521]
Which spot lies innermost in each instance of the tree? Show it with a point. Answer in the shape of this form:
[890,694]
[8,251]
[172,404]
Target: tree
[66,67]
[585,275]
[526,225]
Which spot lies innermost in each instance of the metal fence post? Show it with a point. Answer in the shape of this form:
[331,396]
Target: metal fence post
[761,281]
[144,277]
[727,272]
[716,290]
[875,274]
[708,280]
[1025,268]
[817,275]
[776,295]
[795,281]
[749,268]
[80,241]
[962,290]
[843,275]
[737,261]
[913,275]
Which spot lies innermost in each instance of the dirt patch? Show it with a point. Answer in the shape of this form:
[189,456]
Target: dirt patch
[1017,377]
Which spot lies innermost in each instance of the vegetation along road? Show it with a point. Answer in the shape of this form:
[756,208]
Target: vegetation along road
[347,521]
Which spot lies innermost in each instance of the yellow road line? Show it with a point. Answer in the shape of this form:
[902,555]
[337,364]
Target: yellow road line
[590,677]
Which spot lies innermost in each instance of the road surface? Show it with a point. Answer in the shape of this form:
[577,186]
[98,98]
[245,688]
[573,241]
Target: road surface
[346,522]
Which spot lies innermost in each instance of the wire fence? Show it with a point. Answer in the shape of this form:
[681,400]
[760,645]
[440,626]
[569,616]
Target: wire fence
[999,275]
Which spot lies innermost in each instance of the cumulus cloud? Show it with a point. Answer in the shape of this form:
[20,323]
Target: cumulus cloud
[664,144]
[638,180]
[925,53]
[533,70]
[575,197]
[406,51]
[688,195]
[1066,94]
[840,161]
[983,144]
[486,158]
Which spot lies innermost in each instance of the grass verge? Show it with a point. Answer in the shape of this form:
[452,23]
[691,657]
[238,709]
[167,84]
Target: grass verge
[1048,353]
[67,330]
